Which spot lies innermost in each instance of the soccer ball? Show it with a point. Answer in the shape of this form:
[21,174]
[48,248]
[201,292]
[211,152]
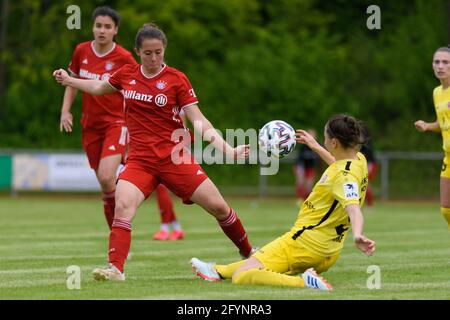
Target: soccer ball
[277,138]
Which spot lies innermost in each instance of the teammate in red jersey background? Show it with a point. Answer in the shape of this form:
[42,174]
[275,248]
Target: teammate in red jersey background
[168,217]
[104,134]
[154,94]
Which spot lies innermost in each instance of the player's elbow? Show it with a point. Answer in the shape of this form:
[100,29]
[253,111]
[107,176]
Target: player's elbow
[353,211]
[97,89]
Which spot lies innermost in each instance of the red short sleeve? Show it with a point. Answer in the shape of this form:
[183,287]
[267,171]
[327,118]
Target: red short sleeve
[74,65]
[185,95]
[115,79]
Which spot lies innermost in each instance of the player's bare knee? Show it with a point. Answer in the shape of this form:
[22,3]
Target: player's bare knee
[445,202]
[106,180]
[219,209]
[122,209]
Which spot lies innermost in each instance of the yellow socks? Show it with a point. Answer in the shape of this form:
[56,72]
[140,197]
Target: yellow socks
[267,277]
[446,213]
[226,271]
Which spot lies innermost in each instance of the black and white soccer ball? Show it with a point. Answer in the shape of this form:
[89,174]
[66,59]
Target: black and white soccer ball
[277,138]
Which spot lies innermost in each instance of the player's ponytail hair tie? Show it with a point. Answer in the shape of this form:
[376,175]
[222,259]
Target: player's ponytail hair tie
[347,130]
[354,127]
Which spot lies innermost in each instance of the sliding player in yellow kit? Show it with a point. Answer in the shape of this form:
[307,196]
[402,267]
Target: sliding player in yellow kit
[313,245]
[441,98]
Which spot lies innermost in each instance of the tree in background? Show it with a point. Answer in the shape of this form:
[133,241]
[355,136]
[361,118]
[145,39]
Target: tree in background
[249,61]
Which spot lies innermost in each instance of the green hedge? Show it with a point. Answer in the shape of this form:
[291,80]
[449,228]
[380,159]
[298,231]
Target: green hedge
[249,61]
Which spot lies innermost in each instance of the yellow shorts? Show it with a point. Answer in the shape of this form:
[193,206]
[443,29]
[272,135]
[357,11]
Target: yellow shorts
[288,256]
[445,171]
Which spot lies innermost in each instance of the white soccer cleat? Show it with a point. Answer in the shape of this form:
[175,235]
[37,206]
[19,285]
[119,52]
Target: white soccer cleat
[205,270]
[314,281]
[108,273]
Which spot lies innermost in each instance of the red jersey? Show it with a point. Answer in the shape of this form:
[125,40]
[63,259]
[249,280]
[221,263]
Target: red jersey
[152,109]
[98,112]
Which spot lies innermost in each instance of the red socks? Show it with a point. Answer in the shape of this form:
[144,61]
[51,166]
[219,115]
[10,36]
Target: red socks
[165,204]
[109,204]
[234,230]
[369,196]
[119,243]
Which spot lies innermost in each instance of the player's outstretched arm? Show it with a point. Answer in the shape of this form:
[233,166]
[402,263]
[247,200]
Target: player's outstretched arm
[66,119]
[204,127]
[423,126]
[94,87]
[302,136]
[357,221]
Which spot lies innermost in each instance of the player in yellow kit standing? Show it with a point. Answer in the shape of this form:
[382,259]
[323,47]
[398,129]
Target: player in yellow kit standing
[314,243]
[441,98]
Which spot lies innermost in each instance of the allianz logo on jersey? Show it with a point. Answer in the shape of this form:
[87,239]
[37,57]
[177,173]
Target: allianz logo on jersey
[93,76]
[160,99]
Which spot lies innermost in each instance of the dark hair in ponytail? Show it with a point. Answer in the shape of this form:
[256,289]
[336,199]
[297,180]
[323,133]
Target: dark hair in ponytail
[150,31]
[349,131]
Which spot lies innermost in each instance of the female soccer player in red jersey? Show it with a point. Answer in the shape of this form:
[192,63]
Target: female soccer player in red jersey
[104,134]
[154,94]
[441,98]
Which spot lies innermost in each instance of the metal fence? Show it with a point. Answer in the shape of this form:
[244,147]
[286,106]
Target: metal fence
[401,174]
[385,159]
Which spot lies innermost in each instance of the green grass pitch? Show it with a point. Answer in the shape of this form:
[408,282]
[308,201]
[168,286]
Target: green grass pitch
[41,236]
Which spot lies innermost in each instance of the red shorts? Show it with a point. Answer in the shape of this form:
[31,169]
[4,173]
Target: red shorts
[182,179]
[101,144]
[372,169]
[310,173]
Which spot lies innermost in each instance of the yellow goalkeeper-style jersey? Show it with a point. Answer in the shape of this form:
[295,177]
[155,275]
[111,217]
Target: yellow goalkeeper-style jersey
[322,222]
[441,100]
